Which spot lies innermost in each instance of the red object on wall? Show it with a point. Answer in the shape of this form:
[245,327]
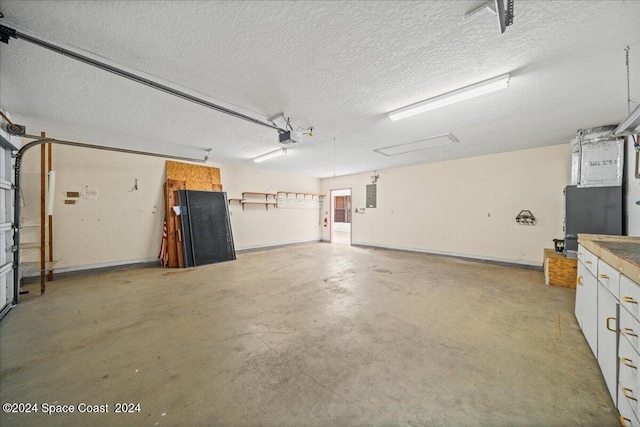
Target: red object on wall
[325,222]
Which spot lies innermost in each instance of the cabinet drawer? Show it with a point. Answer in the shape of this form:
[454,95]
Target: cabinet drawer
[629,377]
[588,259]
[630,328]
[630,296]
[609,276]
[581,253]
[627,416]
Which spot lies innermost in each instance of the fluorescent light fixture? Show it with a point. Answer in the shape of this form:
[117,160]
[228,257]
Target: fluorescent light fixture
[419,145]
[631,124]
[270,155]
[449,98]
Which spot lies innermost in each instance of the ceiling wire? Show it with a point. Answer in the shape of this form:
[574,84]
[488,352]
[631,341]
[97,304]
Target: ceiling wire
[636,145]
[440,161]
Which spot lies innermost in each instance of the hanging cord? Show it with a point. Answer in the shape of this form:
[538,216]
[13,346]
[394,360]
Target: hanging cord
[628,81]
[334,157]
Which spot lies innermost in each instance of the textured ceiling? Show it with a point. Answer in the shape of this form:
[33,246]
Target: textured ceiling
[337,66]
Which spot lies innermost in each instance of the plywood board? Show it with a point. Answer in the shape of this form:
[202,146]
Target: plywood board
[202,186]
[172,260]
[187,172]
[184,176]
[559,270]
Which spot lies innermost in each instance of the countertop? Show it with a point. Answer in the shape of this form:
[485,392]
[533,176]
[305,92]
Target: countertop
[620,252]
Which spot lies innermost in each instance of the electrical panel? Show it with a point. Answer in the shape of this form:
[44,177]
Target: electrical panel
[371,196]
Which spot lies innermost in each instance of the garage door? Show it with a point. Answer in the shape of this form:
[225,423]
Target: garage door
[6,225]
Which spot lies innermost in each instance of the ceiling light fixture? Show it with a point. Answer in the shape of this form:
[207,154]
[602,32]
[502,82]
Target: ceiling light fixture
[449,98]
[270,155]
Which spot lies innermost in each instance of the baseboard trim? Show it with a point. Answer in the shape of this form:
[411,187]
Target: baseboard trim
[276,246]
[92,269]
[89,270]
[466,257]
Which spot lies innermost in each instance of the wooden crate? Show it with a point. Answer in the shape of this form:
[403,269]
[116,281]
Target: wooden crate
[559,270]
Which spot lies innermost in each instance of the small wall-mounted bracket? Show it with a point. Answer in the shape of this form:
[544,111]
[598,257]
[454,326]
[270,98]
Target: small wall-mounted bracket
[490,6]
[525,217]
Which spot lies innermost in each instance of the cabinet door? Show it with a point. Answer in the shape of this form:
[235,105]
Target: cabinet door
[587,306]
[581,294]
[608,338]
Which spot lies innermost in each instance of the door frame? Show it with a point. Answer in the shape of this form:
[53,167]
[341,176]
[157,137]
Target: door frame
[331,213]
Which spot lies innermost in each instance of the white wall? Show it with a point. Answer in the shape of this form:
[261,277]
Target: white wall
[631,192]
[255,226]
[124,226]
[465,207]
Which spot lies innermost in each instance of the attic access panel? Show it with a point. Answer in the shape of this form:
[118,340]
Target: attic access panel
[435,141]
[206,228]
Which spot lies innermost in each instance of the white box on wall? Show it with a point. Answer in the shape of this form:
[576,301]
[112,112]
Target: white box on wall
[602,163]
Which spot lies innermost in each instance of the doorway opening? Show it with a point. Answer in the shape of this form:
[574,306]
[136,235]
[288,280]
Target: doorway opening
[341,216]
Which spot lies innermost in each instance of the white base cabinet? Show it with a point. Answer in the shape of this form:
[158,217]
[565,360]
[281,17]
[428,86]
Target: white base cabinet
[608,313]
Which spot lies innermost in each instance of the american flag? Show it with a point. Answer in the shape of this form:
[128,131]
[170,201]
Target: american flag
[164,253]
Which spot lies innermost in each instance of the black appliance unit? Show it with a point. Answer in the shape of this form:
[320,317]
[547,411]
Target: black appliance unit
[591,210]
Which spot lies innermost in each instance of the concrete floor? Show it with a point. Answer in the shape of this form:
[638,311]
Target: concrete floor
[317,334]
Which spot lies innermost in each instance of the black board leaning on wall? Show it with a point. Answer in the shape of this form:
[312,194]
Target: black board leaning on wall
[206,228]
